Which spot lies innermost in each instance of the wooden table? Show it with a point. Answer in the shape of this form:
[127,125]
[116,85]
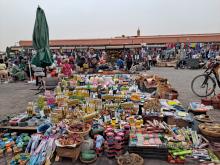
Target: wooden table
[19,128]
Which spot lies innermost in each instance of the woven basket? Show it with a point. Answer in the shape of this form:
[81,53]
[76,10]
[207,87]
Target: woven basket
[84,133]
[132,159]
[68,152]
[207,132]
[69,146]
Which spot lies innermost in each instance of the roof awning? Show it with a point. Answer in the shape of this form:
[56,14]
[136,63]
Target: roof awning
[132,46]
[115,47]
[97,47]
[156,46]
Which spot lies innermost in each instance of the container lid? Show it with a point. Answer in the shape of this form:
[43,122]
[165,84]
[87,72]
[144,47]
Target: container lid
[110,134]
[118,138]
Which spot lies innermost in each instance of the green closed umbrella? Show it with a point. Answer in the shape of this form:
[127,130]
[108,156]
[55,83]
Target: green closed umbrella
[40,41]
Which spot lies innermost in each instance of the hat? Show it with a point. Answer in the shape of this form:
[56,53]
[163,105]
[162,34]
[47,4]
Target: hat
[66,60]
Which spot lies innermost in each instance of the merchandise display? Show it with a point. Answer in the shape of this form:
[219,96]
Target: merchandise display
[89,116]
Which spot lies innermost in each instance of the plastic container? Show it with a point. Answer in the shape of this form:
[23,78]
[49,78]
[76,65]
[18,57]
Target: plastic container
[206,101]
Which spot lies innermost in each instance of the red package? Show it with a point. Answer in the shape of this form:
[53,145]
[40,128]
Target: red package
[151,141]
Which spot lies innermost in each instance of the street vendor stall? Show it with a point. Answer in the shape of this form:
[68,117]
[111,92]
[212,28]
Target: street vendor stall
[96,115]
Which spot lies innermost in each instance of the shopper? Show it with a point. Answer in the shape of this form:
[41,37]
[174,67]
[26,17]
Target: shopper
[149,60]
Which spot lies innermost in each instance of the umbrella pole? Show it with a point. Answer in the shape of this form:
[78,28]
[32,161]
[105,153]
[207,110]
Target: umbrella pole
[29,64]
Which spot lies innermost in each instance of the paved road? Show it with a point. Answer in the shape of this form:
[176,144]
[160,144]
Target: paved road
[14,97]
[180,80]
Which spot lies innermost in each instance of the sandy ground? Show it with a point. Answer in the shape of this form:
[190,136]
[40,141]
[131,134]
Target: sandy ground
[15,96]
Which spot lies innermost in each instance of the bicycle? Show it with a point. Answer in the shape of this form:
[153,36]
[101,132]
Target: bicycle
[206,82]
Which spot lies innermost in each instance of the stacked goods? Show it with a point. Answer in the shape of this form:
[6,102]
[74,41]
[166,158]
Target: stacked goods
[126,133]
[213,101]
[152,105]
[20,159]
[109,144]
[70,140]
[114,143]
[153,127]
[149,141]
[158,85]
[12,144]
[146,82]
[186,144]
[179,146]
[80,128]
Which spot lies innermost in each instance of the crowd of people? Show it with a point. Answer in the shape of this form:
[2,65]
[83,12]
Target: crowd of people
[92,61]
[14,69]
[201,55]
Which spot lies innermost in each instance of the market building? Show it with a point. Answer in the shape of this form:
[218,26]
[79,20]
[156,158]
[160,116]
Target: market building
[129,41]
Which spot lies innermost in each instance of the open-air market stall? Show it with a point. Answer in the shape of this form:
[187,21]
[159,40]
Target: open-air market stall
[92,116]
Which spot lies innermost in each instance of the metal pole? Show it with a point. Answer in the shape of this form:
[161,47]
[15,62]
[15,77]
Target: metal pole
[29,64]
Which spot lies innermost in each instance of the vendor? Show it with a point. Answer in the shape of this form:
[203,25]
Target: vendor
[102,60]
[120,63]
[17,72]
[80,60]
[94,62]
[3,70]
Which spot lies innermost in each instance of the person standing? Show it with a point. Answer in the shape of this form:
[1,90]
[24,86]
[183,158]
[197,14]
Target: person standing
[149,60]
[66,68]
[3,71]
[72,61]
[129,61]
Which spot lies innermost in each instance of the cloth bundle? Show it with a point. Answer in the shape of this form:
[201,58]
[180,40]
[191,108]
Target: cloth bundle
[41,148]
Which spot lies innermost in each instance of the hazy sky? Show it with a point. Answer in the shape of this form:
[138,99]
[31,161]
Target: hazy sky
[68,19]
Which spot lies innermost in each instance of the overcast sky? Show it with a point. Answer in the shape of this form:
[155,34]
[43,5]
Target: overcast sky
[69,19]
